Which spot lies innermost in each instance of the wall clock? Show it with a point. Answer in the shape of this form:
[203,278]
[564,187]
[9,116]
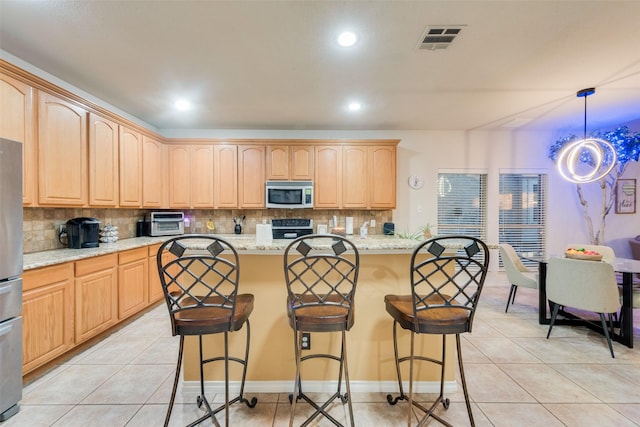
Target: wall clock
[416,182]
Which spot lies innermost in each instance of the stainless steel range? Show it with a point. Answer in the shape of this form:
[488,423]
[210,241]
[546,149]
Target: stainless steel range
[291,228]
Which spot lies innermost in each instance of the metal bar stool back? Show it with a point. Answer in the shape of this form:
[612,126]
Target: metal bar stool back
[447,277]
[321,273]
[199,276]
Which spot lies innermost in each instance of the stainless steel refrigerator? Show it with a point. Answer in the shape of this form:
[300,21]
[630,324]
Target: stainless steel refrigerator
[10,277]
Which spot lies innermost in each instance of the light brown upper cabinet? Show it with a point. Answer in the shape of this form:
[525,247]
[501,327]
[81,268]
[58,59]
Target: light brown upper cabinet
[289,162]
[225,176]
[355,177]
[130,167]
[191,176]
[17,123]
[355,188]
[202,176]
[179,176]
[327,186]
[152,166]
[382,177]
[251,176]
[103,161]
[62,152]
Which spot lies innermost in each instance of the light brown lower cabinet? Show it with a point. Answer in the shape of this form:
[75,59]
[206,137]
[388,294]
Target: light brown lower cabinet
[133,277]
[96,296]
[155,287]
[47,314]
[66,304]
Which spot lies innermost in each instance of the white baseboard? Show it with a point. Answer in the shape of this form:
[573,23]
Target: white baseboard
[322,386]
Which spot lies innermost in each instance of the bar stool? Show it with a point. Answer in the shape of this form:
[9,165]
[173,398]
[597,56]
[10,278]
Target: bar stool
[321,273]
[199,277]
[447,276]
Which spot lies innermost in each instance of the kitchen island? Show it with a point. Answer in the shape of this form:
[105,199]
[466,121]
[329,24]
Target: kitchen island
[384,269]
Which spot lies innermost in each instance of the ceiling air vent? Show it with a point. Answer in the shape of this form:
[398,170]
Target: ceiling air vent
[438,37]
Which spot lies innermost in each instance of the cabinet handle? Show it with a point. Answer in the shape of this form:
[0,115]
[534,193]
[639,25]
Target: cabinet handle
[4,330]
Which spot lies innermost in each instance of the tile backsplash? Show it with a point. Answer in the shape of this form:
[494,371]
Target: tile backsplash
[41,224]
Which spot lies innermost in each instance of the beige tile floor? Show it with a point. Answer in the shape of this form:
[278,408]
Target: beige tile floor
[516,377]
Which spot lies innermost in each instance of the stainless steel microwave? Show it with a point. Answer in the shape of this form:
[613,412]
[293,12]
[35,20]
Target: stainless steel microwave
[289,194]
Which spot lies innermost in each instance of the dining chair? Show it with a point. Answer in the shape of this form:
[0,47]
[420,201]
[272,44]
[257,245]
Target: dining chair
[321,274]
[447,277]
[199,276]
[517,273]
[584,285]
[634,244]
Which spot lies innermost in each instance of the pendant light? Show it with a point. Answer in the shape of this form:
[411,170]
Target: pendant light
[586,160]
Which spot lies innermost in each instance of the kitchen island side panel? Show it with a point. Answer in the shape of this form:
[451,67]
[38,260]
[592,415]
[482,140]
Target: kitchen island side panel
[369,342]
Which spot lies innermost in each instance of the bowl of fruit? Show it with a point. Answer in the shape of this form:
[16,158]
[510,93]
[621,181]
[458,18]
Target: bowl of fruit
[582,253]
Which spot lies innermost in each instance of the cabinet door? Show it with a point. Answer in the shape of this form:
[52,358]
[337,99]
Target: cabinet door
[103,161]
[62,152]
[277,162]
[302,162]
[96,296]
[202,176]
[225,176]
[155,287]
[179,176]
[17,123]
[130,167]
[151,172]
[355,187]
[251,176]
[328,177]
[47,314]
[382,177]
[133,276]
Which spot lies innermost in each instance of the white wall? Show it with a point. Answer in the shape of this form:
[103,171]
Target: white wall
[426,152]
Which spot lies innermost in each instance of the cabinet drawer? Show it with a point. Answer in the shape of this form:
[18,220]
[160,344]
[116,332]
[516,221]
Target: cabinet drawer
[153,249]
[46,275]
[91,265]
[126,257]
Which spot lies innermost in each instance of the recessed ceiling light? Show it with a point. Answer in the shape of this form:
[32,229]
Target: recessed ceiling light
[354,106]
[347,39]
[182,105]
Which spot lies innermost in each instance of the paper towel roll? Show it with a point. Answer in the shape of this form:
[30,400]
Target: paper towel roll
[349,225]
[264,235]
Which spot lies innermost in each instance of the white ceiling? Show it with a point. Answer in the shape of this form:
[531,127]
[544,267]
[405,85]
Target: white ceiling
[275,64]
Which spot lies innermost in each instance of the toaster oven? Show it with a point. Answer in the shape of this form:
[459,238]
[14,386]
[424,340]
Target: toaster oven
[165,223]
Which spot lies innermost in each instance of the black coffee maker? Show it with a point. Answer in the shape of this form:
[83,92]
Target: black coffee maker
[83,233]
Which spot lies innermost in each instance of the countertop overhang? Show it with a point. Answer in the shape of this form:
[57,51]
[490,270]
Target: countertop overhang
[244,244]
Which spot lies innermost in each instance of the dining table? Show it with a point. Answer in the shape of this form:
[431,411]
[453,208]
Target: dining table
[627,267]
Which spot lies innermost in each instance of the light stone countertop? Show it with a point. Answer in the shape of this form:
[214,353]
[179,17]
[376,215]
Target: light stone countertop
[244,244]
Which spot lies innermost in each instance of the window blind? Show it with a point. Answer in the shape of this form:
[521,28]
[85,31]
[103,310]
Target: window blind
[462,204]
[522,219]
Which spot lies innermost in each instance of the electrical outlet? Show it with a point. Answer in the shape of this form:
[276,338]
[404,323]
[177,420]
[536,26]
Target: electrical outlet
[419,208]
[373,223]
[306,341]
